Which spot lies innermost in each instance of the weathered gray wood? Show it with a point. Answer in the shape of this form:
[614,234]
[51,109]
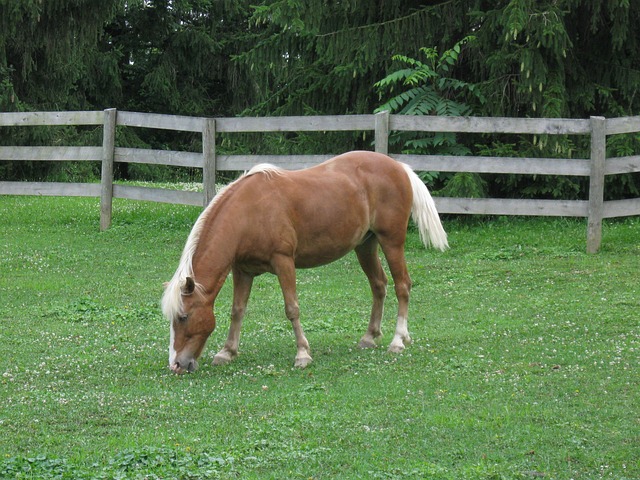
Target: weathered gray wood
[26,119]
[621,208]
[535,126]
[288,162]
[440,163]
[55,154]
[159,195]
[158,157]
[160,121]
[517,165]
[596,167]
[50,189]
[209,160]
[623,125]
[310,123]
[501,206]
[596,183]
[382,132]
[618,165]
[106,178]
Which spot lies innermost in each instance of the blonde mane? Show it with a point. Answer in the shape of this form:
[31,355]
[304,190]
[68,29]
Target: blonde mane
[266,168]
[172,298]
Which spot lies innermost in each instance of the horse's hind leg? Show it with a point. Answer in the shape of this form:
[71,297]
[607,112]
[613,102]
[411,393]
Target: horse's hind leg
[394,254]
[367,254]
[241,288]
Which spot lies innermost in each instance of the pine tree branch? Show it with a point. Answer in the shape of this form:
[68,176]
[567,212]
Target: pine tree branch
[388,22]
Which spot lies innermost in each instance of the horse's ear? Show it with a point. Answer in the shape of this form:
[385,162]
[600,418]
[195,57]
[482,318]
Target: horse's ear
[188,287]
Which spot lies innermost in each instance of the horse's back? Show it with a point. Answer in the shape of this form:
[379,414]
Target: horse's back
[368,163]
[384,180]
[376,174]
[354,178]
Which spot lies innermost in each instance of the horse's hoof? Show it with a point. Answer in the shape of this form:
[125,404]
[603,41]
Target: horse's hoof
[396,348]
[302,362]
[367,344]
[222,358]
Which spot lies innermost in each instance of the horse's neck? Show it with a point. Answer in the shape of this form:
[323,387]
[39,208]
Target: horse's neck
[212,261]
[214,283]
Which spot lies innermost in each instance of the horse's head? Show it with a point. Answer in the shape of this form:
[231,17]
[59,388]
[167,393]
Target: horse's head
[192,321]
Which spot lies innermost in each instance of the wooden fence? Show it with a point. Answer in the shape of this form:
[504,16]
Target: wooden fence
[596,167]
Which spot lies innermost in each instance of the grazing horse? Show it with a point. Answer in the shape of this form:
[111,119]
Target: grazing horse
[274,220]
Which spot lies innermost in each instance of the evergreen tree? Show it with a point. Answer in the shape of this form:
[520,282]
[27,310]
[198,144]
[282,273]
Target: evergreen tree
[318,56]
[175,55]
[554,58]
[551,58]
[45,47]
[530,58]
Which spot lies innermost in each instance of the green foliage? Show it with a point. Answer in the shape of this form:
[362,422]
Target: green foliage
[548,58]
[44,47]
[54,171]
[428,89]
[425,88]
[464,184]
[175,55]
[309,54]
[164,56]
[44,50]
[532,186]
[627,185]
[145,463]
[8,100]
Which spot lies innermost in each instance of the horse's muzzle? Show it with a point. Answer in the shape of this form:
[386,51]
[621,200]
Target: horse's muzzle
[184,367]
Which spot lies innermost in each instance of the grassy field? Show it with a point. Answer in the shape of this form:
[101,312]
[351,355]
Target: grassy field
[525,361]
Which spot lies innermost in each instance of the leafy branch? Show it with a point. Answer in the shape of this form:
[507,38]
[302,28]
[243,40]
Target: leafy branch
[427,88]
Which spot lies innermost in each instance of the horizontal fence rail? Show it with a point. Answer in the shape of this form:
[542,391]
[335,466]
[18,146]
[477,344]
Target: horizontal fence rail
[596,167]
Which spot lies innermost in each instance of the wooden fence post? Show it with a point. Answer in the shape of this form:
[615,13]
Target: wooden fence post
[106,179]
[596,183]
[209,159]
[382,132]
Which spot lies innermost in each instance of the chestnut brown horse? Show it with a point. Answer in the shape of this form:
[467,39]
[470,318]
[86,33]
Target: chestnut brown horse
[274,220]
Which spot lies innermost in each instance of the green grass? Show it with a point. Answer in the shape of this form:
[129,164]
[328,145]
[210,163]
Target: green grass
[524,364]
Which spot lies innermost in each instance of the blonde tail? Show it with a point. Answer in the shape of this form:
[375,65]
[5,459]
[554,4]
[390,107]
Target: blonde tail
[425,215]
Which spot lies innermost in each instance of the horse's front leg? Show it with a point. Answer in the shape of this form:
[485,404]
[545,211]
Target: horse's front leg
[242,283]
[285,269]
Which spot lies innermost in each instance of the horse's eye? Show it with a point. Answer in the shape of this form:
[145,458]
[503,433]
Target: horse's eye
[182,318]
